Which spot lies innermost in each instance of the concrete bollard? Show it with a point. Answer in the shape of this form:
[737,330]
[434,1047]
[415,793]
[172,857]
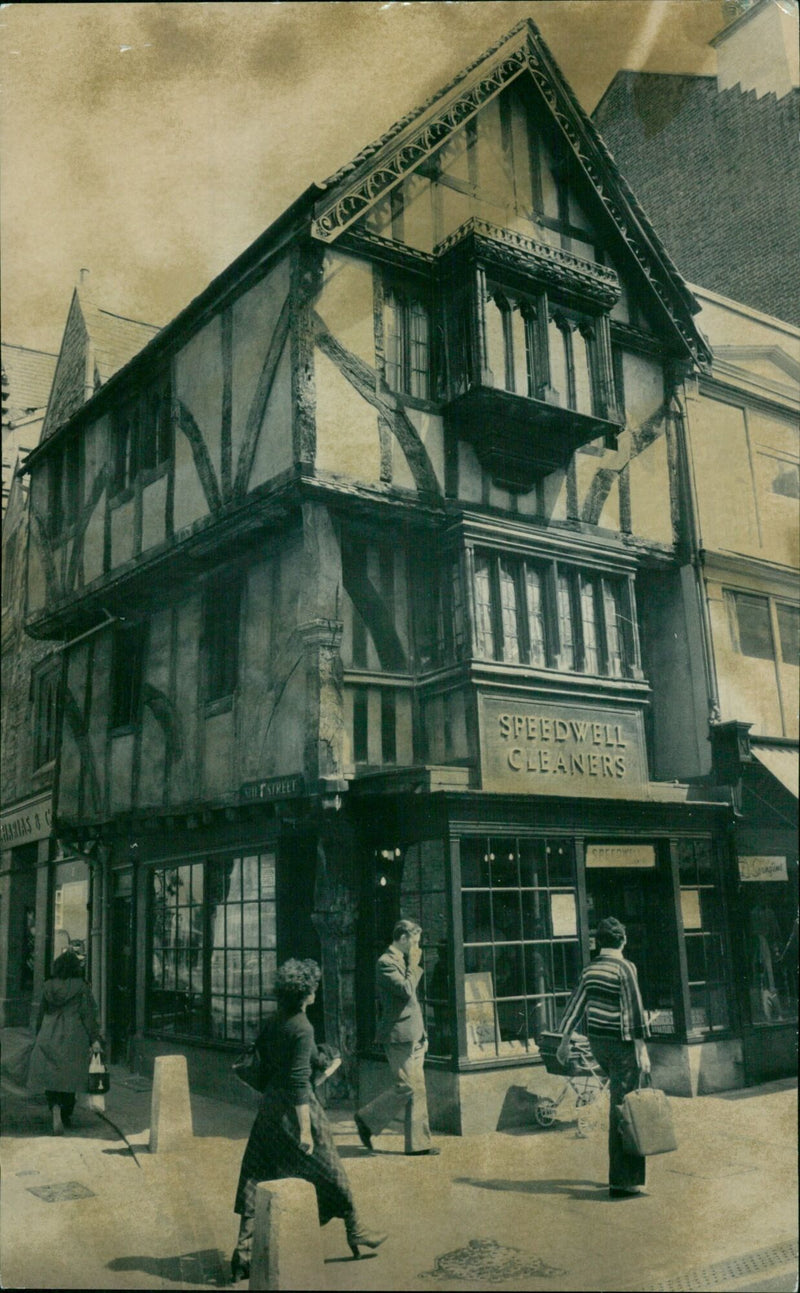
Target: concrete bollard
[170,1109]
[287,1240]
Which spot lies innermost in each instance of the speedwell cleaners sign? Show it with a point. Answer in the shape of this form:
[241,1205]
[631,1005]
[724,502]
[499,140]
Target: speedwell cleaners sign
[550,749]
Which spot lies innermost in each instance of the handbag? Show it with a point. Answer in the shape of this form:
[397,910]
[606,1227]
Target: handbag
[247,1067]
[645,1121]
[99,1080]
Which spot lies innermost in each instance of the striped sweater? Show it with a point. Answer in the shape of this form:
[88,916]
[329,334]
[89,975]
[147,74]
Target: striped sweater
[609,995]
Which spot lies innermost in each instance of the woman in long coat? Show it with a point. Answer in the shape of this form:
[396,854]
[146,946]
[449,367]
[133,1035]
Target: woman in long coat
[66,1031]
[291,1136]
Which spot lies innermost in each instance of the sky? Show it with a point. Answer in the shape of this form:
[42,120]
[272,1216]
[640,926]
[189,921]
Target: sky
[151,143]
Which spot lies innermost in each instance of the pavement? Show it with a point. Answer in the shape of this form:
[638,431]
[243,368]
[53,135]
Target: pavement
[520,1209]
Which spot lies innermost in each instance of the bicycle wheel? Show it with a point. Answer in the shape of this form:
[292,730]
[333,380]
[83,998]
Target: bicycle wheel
[545,1111]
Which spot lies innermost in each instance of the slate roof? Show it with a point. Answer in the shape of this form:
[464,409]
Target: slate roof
[29,374]
[115,339]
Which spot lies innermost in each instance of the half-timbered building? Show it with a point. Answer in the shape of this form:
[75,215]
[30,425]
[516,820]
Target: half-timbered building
[373,570]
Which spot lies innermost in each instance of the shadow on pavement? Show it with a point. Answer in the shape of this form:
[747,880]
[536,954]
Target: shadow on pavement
[208,1266]
[595,1191]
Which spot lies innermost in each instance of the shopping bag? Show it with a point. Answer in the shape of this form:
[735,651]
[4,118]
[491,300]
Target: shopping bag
[645,1120]
[98,1082]
[247,1068]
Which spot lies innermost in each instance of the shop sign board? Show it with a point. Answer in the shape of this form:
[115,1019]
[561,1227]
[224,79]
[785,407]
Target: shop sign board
[624,855]
[541,747]
[31,821]
[273,788]
[762,868]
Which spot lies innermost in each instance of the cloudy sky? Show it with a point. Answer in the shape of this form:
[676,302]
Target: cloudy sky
[151,143]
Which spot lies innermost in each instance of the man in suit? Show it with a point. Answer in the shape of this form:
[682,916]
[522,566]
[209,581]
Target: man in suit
[401,1031]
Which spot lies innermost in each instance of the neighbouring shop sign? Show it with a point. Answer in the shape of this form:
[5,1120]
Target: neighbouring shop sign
[31,822]
[549,749]
[273,788]
[762,868]
[627,855]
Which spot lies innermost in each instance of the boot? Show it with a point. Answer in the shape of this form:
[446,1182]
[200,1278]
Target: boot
[359,1236]
[240,1270]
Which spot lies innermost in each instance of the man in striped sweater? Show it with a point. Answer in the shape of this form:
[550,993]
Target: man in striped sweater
[616,1024]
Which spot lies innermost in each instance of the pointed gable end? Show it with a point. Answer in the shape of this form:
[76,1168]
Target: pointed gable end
[362,196]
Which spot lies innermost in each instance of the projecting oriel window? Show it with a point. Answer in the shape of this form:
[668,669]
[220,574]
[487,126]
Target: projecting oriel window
[553,615]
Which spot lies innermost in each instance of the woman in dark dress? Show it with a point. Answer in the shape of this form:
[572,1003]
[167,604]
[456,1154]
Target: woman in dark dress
[291,1136]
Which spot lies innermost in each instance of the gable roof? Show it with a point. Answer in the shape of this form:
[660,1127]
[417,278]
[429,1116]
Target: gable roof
[95,344]
[28,375]
[353,189]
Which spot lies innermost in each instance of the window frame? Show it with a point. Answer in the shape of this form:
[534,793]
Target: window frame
[46,710]
[403,303]
[143,440]
[223,595]
[128,653]
[561,585]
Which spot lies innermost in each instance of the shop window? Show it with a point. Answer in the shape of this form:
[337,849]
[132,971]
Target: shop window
[213,947]
[704,936]
[126,673]
[71,909]
[406,342]
[46,691]
[521,948]
[554,617]
[410,883]
[221,608]
[769,910]
[142,436]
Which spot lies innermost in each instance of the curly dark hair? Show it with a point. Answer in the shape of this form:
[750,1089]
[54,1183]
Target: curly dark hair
[67,966]
[294,981]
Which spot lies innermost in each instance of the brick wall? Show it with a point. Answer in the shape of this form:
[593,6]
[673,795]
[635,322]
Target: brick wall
[718,173]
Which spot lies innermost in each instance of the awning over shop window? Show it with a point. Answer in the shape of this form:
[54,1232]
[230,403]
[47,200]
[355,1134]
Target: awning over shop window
[783,763]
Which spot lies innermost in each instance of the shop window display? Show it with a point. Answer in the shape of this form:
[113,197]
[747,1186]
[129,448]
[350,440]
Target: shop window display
[704,936]
[521,948]
[213,956]
[771,931]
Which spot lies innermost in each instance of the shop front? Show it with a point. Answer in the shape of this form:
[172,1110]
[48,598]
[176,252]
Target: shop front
[26,848]
[508,892]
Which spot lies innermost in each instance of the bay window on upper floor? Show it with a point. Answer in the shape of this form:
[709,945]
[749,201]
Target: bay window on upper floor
[554,615]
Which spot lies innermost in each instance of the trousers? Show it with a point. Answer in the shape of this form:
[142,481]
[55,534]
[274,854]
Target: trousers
[405,1098]
[618,1060]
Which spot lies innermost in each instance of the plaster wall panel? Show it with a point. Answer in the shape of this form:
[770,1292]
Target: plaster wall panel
[649,489]
[430,430]
[597,476]
[36,584]
[70,764]
[345,305]
[199,384]
[154,513]
[190,503]
[98,718]
[470,476]
[122,533]
[94,544]
[500,498]
[347,427]
[255,315]
[273,453]
[120,774]
[218,755]
[554,496]
[405,728]
[254,667]
[748,687]
[152,765]
[528,504]
[185,684]
[401,612]
[283,743]
[723,474]
[643,378]
[458,726]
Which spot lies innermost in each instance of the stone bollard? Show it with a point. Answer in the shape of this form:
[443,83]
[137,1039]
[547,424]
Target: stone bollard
[287,1240]
[170,1110]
